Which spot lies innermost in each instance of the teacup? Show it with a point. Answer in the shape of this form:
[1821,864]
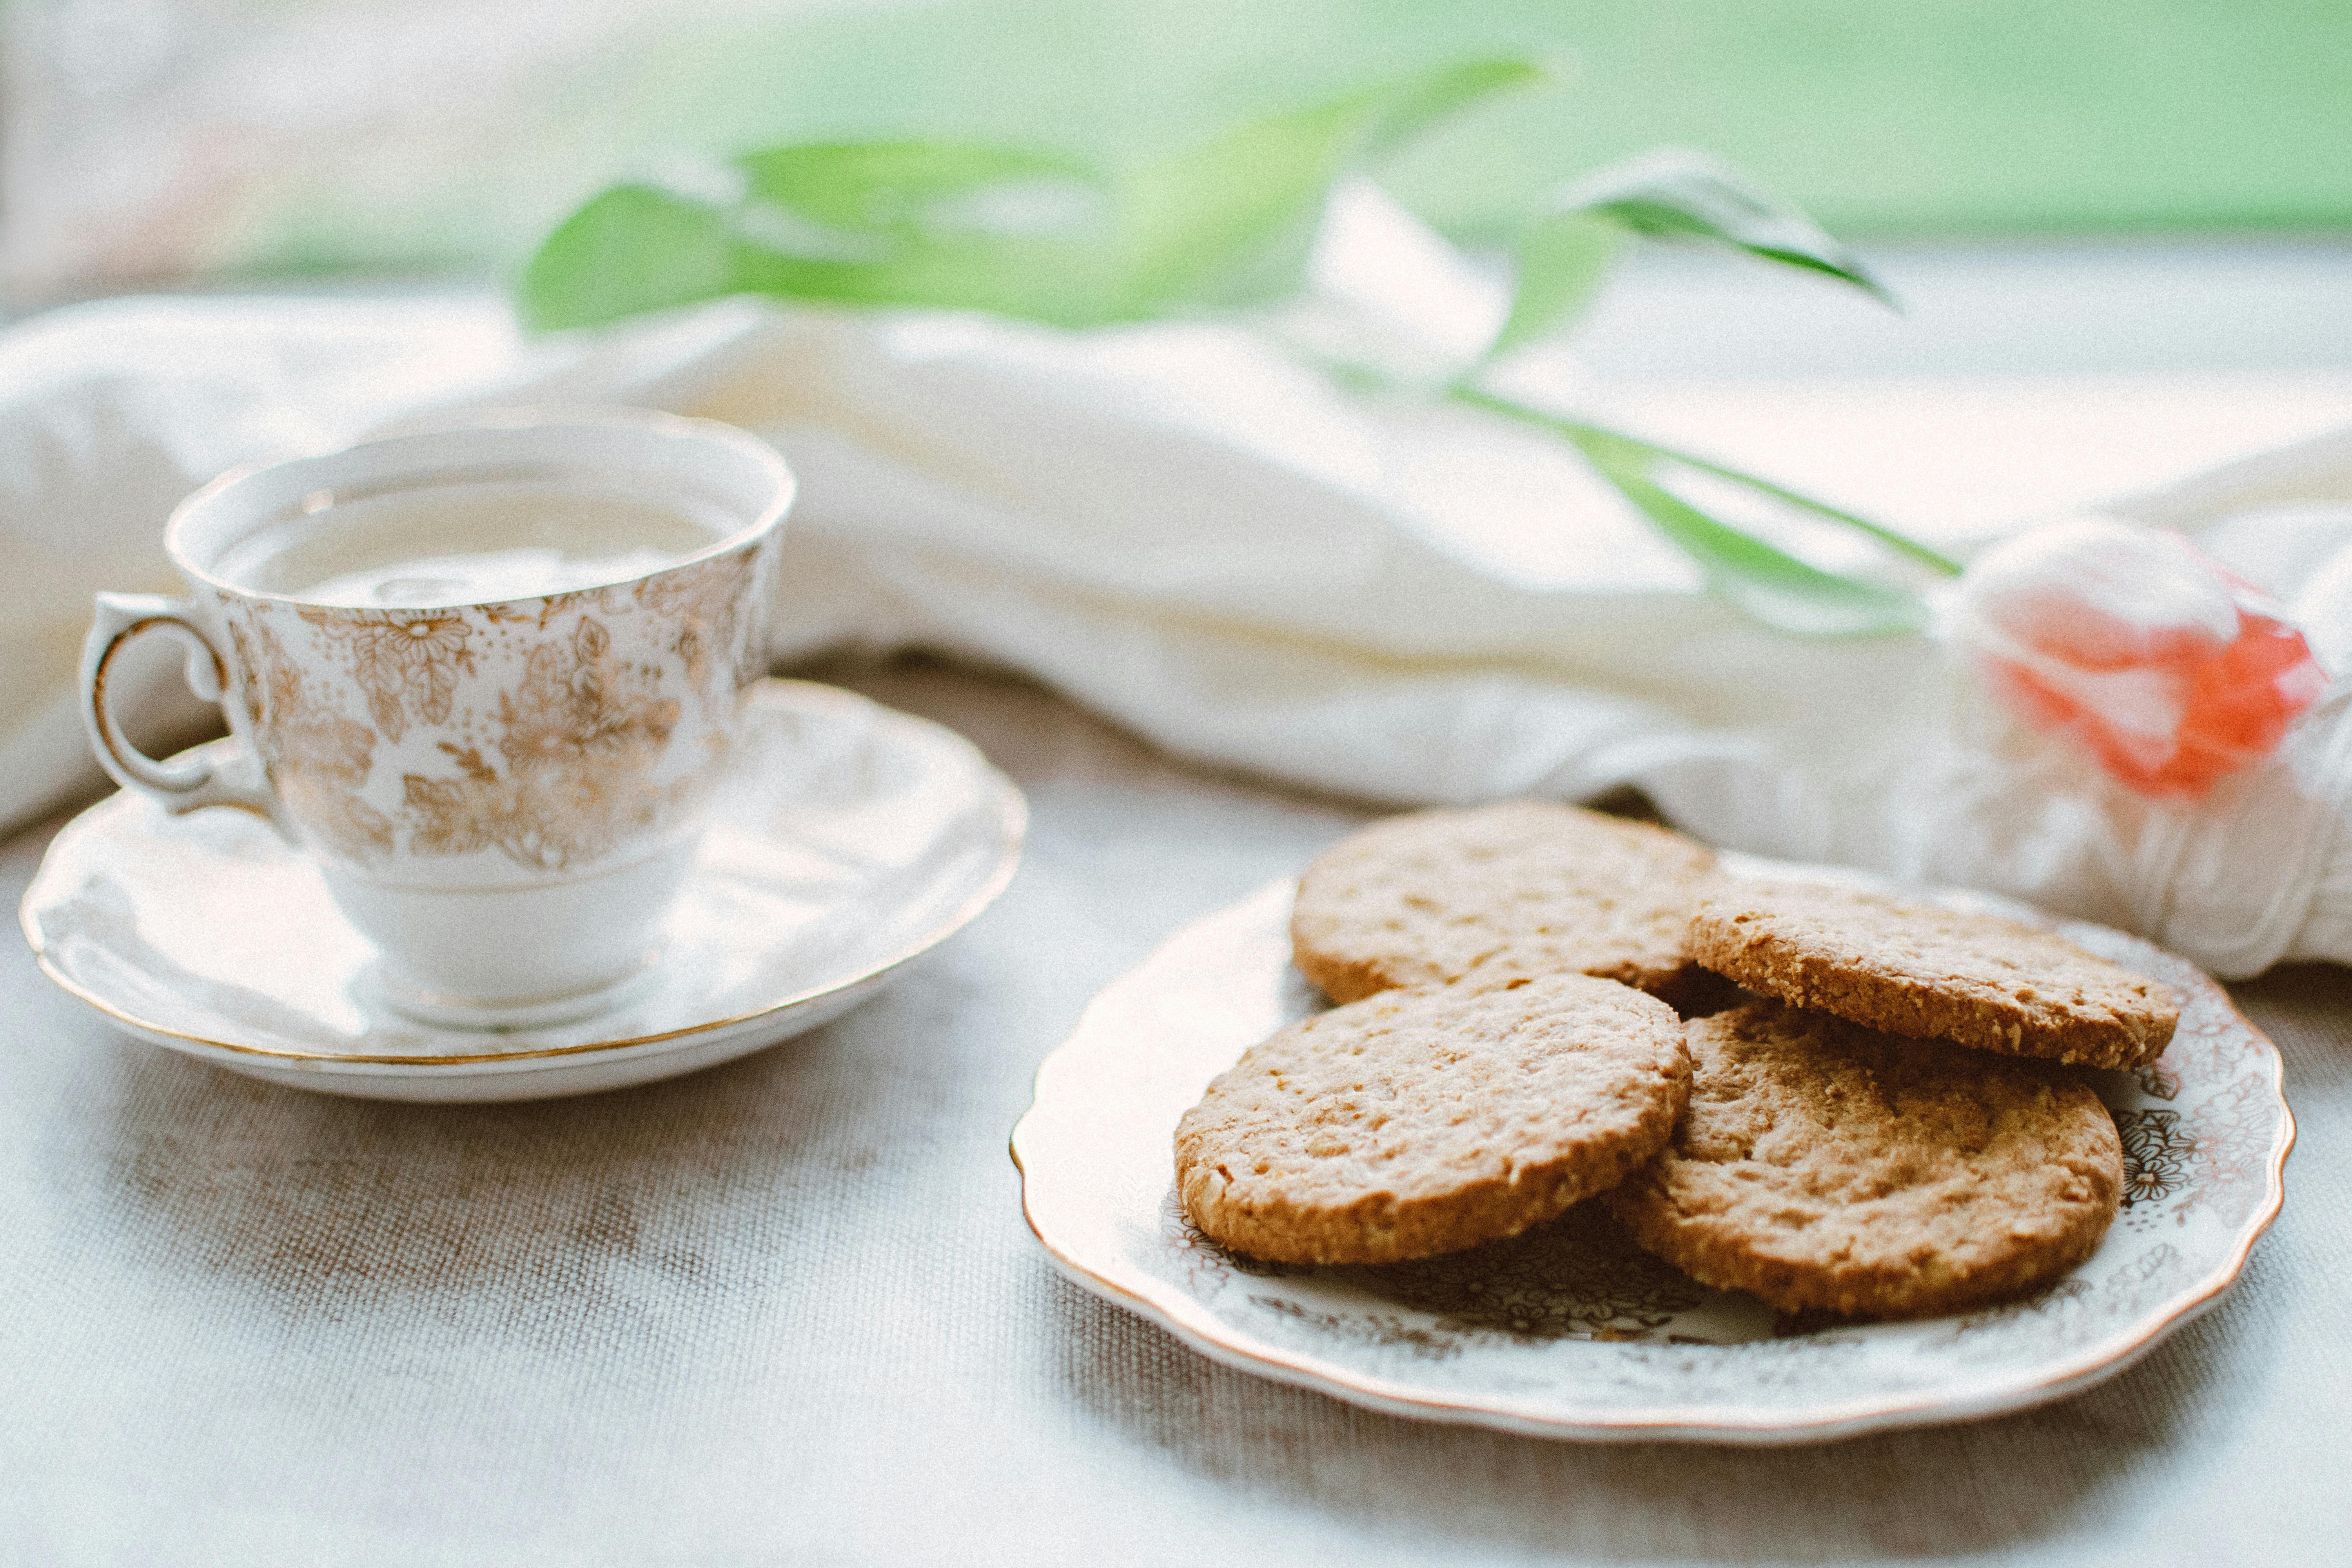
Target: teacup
[486,676]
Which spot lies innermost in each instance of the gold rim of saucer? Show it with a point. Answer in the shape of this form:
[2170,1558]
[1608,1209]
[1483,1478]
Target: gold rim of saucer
[1012,812]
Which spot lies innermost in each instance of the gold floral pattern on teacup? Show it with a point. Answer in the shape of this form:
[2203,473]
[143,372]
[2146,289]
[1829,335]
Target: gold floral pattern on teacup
[539,612]
[707,602]
[540,730]
[400,658]
[582,734]
[319,758]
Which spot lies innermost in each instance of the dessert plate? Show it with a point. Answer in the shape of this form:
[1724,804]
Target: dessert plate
[1570,1330]
[848,838]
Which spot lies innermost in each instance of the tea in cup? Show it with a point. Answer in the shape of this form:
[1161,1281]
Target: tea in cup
[485,677]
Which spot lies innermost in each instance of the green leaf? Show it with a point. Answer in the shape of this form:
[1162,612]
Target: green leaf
[1677,194]
[1559,266]
[1229,220]
[1901,544]
[1766,582]
[952,224]
[632,248]
[1403,109]
[1232,221]
[971,226]
[914,188]
[1762,579]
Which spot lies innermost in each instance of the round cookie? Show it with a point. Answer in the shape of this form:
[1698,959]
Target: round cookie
[1822,1165]
[1932,974]
[1419,1121]
[1498,892]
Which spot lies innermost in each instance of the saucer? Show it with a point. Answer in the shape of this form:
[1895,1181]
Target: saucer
[847,839]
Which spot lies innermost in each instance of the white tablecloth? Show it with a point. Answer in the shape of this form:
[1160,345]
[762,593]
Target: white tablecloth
[1184,529]
[787,1311]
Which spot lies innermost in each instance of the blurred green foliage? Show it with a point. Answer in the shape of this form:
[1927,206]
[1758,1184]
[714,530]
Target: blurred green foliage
[967,226]
[1883,118]
[1045,237]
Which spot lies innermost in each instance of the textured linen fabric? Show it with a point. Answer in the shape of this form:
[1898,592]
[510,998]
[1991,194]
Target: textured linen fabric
[786,1311]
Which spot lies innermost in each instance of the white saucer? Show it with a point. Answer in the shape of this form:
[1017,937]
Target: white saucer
[849,839]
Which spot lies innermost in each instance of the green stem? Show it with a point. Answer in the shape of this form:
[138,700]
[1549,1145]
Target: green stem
[1587,437]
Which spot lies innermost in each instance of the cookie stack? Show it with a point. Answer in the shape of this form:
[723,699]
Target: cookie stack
[1888,1121]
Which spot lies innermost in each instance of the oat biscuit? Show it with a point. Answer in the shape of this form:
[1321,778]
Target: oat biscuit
[1498,892]
[1932,974]
[1419,1121]
[1825,1166]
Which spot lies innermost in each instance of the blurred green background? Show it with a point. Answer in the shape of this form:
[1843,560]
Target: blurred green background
[1889,117]
[447,139]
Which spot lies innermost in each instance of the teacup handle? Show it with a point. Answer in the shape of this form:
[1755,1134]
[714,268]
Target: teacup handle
[181,786]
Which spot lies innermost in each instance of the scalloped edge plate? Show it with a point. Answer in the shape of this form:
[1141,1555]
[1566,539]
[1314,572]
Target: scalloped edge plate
[2207,1132]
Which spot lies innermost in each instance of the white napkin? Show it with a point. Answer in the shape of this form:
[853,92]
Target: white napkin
[1181,528]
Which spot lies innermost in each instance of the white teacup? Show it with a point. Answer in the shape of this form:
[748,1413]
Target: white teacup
[486,676]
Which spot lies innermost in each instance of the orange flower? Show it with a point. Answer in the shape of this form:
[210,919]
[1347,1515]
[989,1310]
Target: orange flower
[2146,652]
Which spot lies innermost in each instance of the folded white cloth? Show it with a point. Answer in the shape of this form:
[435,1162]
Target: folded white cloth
[1182,528]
